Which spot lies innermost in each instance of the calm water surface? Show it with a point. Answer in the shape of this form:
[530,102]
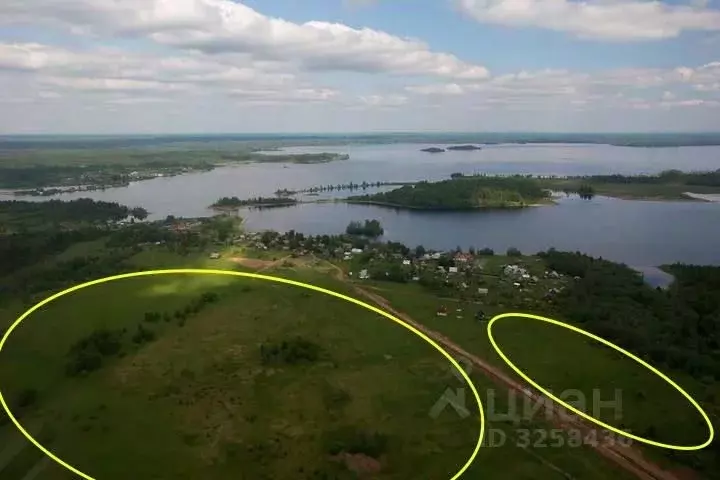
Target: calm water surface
[635,232]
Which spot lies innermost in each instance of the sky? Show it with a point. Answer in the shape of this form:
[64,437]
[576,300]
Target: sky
[224,66]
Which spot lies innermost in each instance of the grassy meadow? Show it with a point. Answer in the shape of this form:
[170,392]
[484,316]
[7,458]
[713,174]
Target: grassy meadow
[575,368]
[201,399]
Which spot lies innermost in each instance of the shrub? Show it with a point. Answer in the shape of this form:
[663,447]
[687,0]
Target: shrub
[351,440]
[290,352]
[27,398]
[143,335]
[152,317]
[87,354]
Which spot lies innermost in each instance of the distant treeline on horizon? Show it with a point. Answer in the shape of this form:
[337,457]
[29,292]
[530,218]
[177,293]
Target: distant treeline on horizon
[26,142]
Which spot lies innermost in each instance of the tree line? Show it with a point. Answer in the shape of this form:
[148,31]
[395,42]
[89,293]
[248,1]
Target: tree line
[708,178]
[91,352]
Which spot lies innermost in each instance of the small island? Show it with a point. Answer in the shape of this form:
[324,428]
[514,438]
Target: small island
[370,229]
[299,158]
[433,150]
[462,193]
[233,203]
[464,147]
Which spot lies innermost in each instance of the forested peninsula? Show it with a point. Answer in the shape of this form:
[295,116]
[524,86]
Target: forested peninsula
[462,193]
[45,172]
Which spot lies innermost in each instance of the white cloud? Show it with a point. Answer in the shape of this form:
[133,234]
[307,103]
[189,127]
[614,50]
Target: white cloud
[437,89]
[215,65]
[223,26]
[388,101]
[597,19]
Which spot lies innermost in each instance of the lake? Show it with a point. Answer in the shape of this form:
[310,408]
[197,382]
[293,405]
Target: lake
[638,233]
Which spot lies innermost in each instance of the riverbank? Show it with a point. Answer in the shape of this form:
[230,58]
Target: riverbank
[635,191]
[443,209]
[49,172]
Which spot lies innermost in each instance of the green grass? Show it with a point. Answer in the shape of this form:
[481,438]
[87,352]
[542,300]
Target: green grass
[570,365]
[205,406]
[200,393]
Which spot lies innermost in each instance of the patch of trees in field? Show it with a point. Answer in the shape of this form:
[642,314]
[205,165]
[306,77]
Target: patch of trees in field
[463,193]
[90,353]
[290,352]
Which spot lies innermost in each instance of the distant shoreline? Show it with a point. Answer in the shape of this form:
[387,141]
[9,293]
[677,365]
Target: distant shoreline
[15,143]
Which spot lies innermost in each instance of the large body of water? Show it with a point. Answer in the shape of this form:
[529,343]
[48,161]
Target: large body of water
[635,232]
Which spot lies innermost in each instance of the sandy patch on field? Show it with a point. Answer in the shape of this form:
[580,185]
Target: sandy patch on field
[252,262]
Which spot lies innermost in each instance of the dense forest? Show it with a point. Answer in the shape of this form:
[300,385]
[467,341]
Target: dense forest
[675,329]
[462,193]
[31,231]
[678,328]
[39,215]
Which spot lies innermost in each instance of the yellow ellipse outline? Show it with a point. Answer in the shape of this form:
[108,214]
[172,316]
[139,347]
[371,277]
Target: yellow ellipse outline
[249,275]
[585,415]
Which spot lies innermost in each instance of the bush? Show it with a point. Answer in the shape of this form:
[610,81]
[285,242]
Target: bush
[87,354]
[27,398]
[143,335]
[290,352]
[152,317]
[351,440]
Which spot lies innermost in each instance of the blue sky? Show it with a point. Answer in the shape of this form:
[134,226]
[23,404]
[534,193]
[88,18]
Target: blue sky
[100,66]
[440,25]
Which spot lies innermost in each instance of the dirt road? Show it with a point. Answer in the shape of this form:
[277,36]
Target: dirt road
[626,457]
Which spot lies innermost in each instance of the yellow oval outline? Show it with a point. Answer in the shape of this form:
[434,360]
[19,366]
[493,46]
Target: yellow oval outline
[249,275]
[583,414]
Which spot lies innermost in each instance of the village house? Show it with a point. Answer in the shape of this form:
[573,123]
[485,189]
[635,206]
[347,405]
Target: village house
[453,269]
[463,257]
[364,275]
[214,255]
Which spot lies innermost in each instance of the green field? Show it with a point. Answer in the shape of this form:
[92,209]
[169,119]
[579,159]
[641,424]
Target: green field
[577,369]
[205,376]
[201,393]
